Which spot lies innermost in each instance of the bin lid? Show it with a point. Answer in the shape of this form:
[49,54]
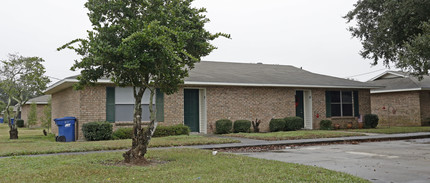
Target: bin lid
[65,118]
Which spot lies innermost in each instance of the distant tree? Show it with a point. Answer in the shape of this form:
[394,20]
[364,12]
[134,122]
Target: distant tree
[32,115]
[46,120]
[21,78]
[146,44]
[394,31]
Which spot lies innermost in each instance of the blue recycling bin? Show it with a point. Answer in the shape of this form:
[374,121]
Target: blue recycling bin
[1,120]
[66,129]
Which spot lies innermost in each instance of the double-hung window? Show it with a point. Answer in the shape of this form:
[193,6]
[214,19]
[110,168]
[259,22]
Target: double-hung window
[342,103]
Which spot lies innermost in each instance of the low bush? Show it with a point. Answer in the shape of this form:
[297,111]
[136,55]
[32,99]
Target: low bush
[163,131]
[20,123]
[371,120]
[325,125]
[123,133]
[276,125]
[160,131]
[293,123]
[242,126]
[223,126]
[95,131]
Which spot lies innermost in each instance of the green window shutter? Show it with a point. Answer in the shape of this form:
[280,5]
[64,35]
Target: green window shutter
[159,105]
[110,104]
[328,103]
[356,109]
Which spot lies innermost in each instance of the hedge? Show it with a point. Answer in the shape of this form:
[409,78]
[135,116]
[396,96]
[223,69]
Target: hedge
[277,125]
[325,125]
[242,126]
[95,131]
[293,123]
[223,126]
[371,120]
[160,131]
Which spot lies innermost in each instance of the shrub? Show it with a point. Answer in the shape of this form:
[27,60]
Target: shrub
[123,133]
[160,131]
[223,126]
[163,131]
[20,123]
[277,125]
[371,120]
[325,125]
[242,126]
[95,131]
[293,123]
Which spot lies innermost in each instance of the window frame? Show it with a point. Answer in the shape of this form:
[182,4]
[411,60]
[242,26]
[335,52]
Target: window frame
[341,103]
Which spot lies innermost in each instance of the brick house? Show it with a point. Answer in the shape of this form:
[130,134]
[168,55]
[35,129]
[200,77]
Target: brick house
[404,101]
[218,90]
[41,102]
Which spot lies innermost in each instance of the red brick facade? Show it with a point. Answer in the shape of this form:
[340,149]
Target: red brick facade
[25,110]
[410,108]
[230,102]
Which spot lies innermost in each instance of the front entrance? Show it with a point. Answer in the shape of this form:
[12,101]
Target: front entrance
[304,107]
[191,109]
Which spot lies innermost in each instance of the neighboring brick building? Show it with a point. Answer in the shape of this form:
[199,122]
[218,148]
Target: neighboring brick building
[40,102]
[217,90]
[404,101]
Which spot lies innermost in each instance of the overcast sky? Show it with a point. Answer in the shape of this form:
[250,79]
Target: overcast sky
[304,33]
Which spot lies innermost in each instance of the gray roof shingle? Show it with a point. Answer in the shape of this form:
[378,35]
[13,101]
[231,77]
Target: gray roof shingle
[404,82]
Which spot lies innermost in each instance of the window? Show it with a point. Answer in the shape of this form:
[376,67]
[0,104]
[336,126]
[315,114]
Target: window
[342,103]
[120,104]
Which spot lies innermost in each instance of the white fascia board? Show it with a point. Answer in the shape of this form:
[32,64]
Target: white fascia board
[103,81]
[386,72]
[271,85]
[397,90]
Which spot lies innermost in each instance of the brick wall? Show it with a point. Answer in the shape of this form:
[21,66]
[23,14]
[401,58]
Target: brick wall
[256,102]
[397,108]
[425,108]
[25,110]
[64,103]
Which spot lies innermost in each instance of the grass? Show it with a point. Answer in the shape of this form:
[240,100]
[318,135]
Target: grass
[294,135]
[32,141]
[393,130]
[181,165]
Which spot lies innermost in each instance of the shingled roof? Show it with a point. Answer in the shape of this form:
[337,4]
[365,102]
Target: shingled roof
[397,81]
[249,74]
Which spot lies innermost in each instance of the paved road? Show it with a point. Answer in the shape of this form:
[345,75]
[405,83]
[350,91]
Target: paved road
[389,161]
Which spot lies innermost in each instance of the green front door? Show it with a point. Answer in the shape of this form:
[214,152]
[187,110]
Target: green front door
[191,109]
[299,104]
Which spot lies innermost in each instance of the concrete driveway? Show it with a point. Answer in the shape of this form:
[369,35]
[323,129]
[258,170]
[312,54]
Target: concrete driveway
[389,161]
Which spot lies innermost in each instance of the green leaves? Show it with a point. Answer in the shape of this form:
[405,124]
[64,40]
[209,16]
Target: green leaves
[393,32]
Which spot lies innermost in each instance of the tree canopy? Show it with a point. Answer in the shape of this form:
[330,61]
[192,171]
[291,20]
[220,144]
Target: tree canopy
[395,32]
[21,79]
[146,44]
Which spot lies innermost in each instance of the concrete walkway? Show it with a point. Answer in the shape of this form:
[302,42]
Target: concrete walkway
[256,143]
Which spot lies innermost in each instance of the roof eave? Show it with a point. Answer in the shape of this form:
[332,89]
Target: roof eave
[66,83]
[274,85]
[400,90]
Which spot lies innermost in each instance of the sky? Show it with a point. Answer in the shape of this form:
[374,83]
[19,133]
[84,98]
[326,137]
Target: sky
[310,34]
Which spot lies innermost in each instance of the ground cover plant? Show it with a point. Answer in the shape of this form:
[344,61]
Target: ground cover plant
[293,135]
[393,130]
[173,165]
[32,141]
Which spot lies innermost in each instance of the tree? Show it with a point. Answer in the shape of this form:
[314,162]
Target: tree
[394,31]
[46,120]
[146,44]
[21,78]
[32,115]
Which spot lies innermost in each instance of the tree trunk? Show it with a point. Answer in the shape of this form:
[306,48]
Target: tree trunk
[137,151]
[141,138]
[13,134]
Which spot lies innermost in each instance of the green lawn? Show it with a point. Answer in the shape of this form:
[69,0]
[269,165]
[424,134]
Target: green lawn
[392,130]
[294,135]
[180,165]
[32,141]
